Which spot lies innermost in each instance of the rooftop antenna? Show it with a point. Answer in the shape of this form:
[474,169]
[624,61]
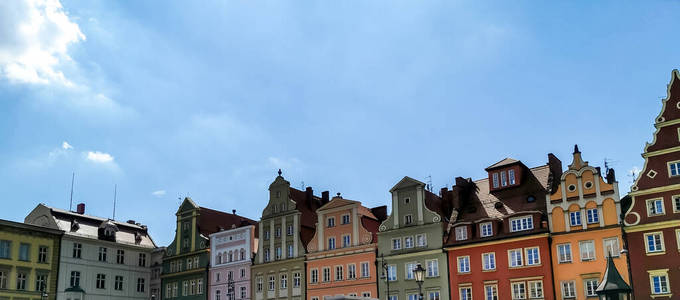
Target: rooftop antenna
[70,205]
[115,190]
[606,166]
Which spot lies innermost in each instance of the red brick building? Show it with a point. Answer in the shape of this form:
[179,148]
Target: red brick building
[498,236]
[652,220]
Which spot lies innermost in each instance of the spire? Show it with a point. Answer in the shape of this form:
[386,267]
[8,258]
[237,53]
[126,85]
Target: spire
[578,162]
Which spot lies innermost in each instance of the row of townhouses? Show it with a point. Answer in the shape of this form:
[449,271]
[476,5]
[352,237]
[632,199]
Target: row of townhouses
[521,232]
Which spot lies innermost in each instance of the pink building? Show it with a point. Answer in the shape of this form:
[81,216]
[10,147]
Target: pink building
[231,252]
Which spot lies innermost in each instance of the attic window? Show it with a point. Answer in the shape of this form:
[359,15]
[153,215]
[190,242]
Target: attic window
[504,179]
[531,199]
[571,187]
[495,180]
[498,205]
[651,174]
[74,225]
[588,184]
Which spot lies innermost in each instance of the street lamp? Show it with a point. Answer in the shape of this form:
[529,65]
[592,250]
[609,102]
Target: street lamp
[419,273]
[385,276]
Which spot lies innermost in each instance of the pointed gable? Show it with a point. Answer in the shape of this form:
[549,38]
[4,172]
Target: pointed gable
[406,182]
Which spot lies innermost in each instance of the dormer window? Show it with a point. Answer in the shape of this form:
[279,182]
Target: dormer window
[461,233]
[511,176]
[486,229]
[521,223]
[504,179]
[495,180]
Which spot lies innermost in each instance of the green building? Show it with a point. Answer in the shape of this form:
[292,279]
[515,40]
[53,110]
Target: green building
[286,227]
[185,265]
[412,235]
[29,261]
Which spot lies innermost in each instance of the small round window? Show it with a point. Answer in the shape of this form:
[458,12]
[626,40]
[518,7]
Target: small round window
[571,188]
[531,199]
[588,185]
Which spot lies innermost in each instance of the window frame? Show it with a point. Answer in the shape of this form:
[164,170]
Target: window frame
[511,261]
[586,282]
[559,254]
[531,284]
[538,256]
[424,239]
[495,180]
[572,285]
[494,291]
[461,233]
[468,291]
[580,250]
[458,264]
[483,232]
[662,273]
[677,168]
[663,208]
[662,243]
[394,246]
[616,253]
[512,289]
[484,260]
[434,266]
[575,221]
[519,220]
[596,216]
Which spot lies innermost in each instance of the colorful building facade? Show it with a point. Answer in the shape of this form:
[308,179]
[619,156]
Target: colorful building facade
[341,255]
[285,229]
[185,266]
[498,238]
[412,235]
[29,261]
[584,214]
[231,254]
[99,258]
[652,220]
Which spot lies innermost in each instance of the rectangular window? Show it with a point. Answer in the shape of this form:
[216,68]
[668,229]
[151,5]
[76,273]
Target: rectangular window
[421,240]
[142,260]
[392,272]
[568,289]
[5,249]
[331,222]
[535,289]
[676,204]
[511,176]
[277,232]
[575,218]
[291,251]
[533,256]
[393,297]
[243,292]
[331,243]
[339,273]
[21,281]
[593,216]
[659,284]
[345,241]
[489,261]
[408,268]
[408,219]
[326,274]
[314,275]
[495,180]
[200,286]
[590,286]
[3,279]
[412,296]
[365,271]
[278,252]
[351,271]
[396,244]
[190,263]
[101,281]
[283,282]
[485,229]
[289,230]
[655,207]
[258,285]
[504,180]
[75,279]
[140,285]
[461,233]
[654,242]
[102,254]
[174,289]
[515,257]
[266,235]
[345,219]
[118,283]
[272,282]
[587,250]
[77,249]
[432,268]
[41,282]
[185,288]
[463,264]
[519,290]
[24,250]
[674,168]
[408,242]
[564,253]
[267,256]
[168,290]
[521,223]
[466,293]
[491,292]
[120,257]
[611,247]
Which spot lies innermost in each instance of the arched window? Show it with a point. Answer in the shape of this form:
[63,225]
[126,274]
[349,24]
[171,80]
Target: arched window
[217,295]
[243,254]
[219,258]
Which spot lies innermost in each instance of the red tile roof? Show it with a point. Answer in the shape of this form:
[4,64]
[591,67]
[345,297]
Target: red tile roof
[211,221]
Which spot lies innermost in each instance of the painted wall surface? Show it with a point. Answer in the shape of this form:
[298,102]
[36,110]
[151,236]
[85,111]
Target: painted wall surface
[359,286]
[12,265]
[231,256]
[503,275]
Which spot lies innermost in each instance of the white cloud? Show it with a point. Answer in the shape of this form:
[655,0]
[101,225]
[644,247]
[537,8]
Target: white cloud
[99,157]
[35,35]
[159,193]
[65,145]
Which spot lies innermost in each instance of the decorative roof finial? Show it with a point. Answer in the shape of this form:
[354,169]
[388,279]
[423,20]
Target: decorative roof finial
[577,163]
[576,148]
[280,172]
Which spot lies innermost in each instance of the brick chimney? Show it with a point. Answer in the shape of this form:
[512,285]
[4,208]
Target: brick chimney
[325,197]
[233,211]
[80,208]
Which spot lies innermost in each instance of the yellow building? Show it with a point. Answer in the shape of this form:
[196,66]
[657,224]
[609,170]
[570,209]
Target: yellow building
[584,219]
[29,258]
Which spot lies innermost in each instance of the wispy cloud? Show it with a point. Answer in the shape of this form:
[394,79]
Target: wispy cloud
[159,193]
[99,157]
[66,146]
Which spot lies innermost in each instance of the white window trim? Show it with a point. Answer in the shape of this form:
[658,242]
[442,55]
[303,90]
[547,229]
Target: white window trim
[604,246]
[673,198]
[526,256]
[580,255]
[668,167]
[510,261]
[458,259]
[571,254]
[663,244]
[663,208]
[585,286]
[494,261]
[481,231]
[400,244]
[659,272]
[495,287]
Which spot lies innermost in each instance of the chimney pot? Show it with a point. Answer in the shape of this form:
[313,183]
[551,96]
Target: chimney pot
[131,222]
[80,208]
[325,197]
[233,211]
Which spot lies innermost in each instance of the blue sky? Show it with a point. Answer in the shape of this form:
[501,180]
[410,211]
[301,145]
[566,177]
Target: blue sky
[166,100]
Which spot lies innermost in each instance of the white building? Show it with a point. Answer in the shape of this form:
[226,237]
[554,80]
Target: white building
[99,258]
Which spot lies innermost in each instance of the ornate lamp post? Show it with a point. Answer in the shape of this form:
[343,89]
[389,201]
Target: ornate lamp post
[385,276]
[419,273]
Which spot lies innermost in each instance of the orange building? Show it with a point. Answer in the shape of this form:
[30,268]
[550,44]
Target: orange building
[341,255]
[584,214]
